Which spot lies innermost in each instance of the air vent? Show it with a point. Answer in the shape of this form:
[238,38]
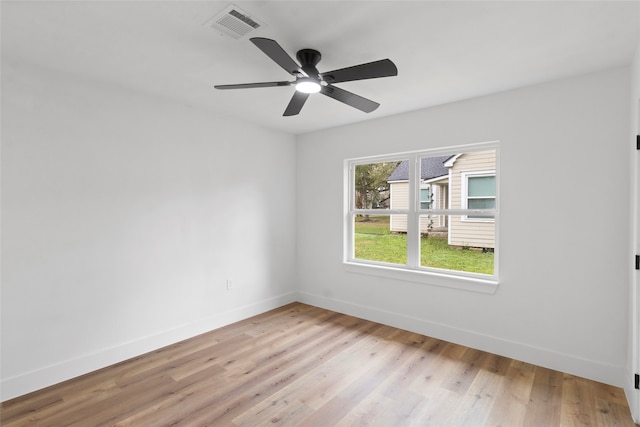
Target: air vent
[234,22]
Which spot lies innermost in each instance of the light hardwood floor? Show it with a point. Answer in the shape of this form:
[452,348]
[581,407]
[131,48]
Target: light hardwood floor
[304,366]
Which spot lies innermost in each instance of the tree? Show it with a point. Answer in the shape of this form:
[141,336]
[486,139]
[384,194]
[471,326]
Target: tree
[371,186]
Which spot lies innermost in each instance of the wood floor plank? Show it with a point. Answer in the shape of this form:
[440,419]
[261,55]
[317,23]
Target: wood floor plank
[318,385]
[545,399]
[183,400]
[579,402]
[380,363]
[406,372]
[266,374]
[438,408]
[301,365]
[512,400]
[430,381]
[324,382]
[13,415]
[118,404]
[479,399]
[463,374]
[378,409]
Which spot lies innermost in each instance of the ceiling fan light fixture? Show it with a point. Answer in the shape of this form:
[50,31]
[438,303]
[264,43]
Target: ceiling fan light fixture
[308,85]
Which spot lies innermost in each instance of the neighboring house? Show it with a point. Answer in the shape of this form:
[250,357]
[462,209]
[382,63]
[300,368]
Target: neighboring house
[462,181]
[434,184]
[472,178]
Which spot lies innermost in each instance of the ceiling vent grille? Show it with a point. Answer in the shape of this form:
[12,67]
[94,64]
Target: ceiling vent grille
[234,22]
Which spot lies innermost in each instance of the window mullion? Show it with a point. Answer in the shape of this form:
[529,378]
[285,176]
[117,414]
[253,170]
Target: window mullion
[413,226]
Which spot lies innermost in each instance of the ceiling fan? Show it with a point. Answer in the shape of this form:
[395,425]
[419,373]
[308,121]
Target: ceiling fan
[309,80]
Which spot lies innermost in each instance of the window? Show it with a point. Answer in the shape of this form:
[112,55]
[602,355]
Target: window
[480,193]
[425,198]
[429,213]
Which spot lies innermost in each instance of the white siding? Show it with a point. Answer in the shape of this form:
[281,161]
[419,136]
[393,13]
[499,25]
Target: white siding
[399,200]
[441,201]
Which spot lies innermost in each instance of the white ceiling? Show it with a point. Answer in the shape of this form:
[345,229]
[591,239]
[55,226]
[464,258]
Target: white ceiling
[445,51]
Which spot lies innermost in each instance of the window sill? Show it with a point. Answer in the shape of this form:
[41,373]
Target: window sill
[473,284]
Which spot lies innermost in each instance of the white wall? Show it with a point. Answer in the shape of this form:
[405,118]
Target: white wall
[122,218]
[562,298]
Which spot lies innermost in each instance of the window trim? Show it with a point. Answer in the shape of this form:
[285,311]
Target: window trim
[412,271]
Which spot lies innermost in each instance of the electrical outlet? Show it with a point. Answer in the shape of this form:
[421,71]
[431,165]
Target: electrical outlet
[229,285]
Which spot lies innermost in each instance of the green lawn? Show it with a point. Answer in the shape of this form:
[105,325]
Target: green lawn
[375,242]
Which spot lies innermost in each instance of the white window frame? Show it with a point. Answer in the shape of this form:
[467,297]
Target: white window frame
[412,271]
[464,192]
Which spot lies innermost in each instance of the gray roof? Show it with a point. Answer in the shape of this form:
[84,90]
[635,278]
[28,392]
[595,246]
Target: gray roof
[432,167]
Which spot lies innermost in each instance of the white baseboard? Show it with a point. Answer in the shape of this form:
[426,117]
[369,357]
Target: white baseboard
[571,364]
[40,378]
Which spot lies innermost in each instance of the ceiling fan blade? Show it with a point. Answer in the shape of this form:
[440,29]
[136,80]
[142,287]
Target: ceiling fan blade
[252,85]
[371,70]
[356,101]
[274,51]
[296,103]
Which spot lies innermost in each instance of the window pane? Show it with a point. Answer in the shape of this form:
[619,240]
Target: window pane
[482,186]
[482,203]
[458,246]
[372,186]
[374,239]
[425,198]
